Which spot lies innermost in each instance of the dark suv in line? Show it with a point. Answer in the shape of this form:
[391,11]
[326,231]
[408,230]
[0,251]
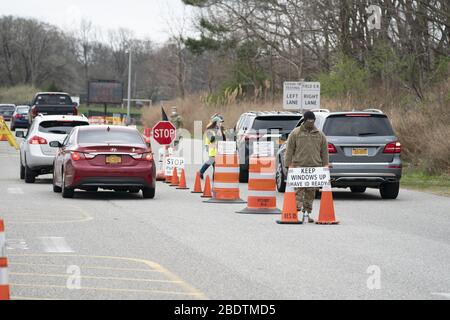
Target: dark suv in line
[364,152]
[262,126]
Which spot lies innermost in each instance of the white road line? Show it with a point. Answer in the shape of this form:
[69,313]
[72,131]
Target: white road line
[55,245]
[15,190]
[442,294]
[16,244]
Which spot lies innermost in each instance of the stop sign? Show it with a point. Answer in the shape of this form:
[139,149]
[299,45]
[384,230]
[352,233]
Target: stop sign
[164,133]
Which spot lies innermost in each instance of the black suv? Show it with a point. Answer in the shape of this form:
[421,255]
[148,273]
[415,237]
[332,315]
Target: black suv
[364,152]
[266,126]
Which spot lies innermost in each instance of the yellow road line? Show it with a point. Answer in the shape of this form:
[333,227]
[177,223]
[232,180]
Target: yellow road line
[152,265]
[104,289]
[90,277]
[33,298]
[84,267]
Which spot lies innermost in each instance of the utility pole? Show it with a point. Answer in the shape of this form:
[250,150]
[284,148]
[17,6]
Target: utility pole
[129,86]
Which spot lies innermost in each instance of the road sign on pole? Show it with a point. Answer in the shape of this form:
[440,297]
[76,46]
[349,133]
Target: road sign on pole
[164,133]
[301,95]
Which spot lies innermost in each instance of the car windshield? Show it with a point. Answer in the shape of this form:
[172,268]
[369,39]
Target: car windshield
[359,126]
[117,137]
[60,127]
[7,109]
[285,124]
[22,110]
[53,99]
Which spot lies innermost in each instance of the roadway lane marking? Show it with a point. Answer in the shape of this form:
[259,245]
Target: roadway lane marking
[153,266]
[15,190]
[84,267]
[442,294]
[90,277]
[33,298]
[55,245]
[16,244]
[194,294]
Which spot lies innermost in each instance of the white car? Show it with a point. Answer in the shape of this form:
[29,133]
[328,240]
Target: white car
[36,155]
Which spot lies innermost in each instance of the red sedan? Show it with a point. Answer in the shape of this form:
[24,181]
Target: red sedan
[106,157]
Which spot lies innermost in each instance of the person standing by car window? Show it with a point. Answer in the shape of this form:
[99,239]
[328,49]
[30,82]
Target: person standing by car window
[214,134]
[307,146]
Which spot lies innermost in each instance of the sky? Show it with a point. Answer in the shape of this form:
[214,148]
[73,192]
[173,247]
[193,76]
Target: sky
[148,19]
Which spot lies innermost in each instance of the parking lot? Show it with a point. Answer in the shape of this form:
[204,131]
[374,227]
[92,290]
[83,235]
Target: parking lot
[177,247]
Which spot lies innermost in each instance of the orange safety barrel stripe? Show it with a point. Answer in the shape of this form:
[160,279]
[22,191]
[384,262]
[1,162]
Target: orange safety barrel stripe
[263,185]
[227,194]
[262,202]
[3,262]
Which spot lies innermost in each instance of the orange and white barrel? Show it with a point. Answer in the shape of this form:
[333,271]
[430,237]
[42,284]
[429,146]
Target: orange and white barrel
[226,180]
[262,196]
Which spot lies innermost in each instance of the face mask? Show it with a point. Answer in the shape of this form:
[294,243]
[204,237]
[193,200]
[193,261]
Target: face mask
[309,125]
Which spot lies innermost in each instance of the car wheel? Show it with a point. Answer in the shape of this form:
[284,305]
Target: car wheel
[358,189]
[56,189]
[243,175]
[390,191]
[280,178]
[148,193]
[22,171]
[30,175]
[67,193]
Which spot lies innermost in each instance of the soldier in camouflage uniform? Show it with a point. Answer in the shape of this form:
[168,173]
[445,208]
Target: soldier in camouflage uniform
[177,121]
[307,147]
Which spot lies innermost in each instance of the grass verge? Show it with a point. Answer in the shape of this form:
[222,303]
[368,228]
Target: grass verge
[418,180]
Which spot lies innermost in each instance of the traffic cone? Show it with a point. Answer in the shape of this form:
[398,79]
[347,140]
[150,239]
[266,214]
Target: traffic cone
[207,192]
[175,180]
[290,212]
[327,215]
[4,285]
[168,180]
[183,185]
[2,239]
[198,184]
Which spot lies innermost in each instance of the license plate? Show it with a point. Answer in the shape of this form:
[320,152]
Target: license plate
[113,160]
[360,152]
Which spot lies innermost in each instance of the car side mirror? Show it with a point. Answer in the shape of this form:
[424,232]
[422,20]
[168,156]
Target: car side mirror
[55,144]
[20,134]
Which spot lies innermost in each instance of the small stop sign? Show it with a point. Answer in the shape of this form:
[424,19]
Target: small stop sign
[164,133]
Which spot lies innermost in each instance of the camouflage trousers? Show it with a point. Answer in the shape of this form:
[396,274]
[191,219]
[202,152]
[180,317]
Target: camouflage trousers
[305,199]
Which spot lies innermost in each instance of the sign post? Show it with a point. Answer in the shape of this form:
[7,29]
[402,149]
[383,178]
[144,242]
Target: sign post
[301,95]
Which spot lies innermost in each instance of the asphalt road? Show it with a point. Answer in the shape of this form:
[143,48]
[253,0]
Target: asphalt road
[177,247]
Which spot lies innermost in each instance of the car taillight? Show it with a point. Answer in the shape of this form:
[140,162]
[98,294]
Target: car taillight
[37,140]
[393,147]
[34,111]
[76,156]
[331,148]
[143,156]
[75,111]
[148,157]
